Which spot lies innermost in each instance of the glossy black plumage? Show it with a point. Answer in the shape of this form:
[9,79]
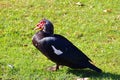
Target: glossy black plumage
[50,44]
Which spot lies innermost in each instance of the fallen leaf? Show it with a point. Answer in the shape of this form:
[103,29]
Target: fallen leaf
[82,78]
[11,66]
[80,4]
[25,45]
[117,18]
[107,10]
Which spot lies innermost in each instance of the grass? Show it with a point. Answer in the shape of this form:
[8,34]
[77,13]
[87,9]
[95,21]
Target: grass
[94,28]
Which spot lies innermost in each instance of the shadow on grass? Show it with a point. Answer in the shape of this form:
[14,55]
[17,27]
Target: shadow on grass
[92,74]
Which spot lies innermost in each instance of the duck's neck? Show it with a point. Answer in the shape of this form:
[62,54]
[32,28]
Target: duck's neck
[44,34]
[49,30]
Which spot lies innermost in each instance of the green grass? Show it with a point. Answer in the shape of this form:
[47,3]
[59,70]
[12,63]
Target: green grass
[95,32]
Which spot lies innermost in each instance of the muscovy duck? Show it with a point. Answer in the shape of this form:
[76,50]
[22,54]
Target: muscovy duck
[59,49]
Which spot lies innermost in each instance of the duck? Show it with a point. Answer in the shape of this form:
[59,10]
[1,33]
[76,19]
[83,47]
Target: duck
[59,49]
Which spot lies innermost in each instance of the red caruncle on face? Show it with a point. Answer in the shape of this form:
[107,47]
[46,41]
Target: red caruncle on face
[41,24]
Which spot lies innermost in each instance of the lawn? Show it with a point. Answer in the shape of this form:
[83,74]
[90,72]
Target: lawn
[91,25]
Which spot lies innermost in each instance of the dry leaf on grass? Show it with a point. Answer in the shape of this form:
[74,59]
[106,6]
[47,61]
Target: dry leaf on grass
[107,10]
[80,4]
[82,79]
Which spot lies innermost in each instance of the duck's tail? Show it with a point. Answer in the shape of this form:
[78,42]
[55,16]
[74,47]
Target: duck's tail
[93,67]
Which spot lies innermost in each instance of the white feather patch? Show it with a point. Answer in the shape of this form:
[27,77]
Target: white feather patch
[58,52]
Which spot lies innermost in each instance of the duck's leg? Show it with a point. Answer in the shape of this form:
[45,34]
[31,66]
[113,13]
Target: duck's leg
[54,68]
[57,67]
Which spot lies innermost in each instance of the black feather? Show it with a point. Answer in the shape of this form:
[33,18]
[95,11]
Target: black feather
[71,56]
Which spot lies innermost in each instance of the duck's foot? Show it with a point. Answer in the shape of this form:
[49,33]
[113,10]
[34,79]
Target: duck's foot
[54,68]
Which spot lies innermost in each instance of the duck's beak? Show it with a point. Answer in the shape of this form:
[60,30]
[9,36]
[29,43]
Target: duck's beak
[37,28]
